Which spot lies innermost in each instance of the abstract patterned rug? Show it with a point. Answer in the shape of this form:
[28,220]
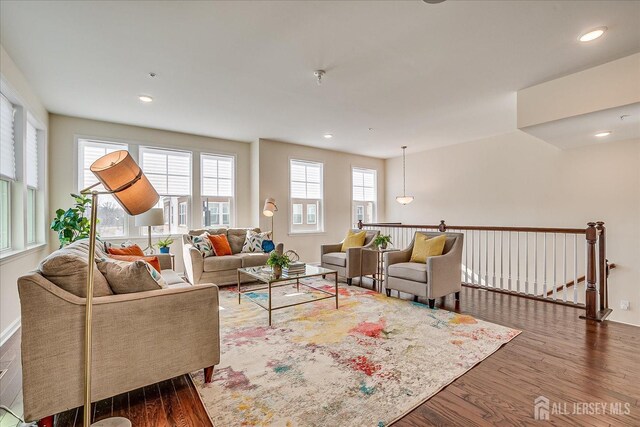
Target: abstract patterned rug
[366,364]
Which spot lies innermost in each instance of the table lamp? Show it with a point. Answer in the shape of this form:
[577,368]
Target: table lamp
[150,218]
[123,179]
[268,210]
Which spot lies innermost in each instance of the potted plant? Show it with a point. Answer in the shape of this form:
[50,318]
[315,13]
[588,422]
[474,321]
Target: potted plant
[277,261]
[382,241]
[163,245]
[72,225]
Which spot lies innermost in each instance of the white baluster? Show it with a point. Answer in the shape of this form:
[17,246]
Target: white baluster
[501,260]
[509,254]
[526,263]
[494,258]
[575,268]
[473,251]
[518,261]
[535,264]
[564,268]
[486,258]
[544,268]
[554,282]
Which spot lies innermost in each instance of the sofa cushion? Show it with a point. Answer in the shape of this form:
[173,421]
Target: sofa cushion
[414,271]
[253,241]
[203,244]
[220,244]
[129,250]
[67,269]
[172,278]
[236,238]
[209,230]
[254,259]
[153,260]
[425,247]
[335,258]
[221,263]
[127,277]
[353,239]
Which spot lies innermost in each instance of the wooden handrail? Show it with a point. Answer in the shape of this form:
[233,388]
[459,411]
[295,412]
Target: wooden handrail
[480,227]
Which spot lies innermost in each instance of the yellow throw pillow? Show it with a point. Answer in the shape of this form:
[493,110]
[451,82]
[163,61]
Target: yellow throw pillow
[353,240]
[424,247]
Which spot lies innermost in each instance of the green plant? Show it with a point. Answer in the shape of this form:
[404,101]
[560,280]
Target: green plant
[278,259]
[382,239]
[165,243]
[72,225]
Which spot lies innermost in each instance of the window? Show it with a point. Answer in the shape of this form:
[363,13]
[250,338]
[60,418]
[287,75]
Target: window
[182,214]
[364,195]
[306,192]
[169,172]
[113,219]
[32,181]
[217,189]
[7,169]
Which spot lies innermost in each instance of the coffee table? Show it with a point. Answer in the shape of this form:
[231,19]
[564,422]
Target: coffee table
[264,275]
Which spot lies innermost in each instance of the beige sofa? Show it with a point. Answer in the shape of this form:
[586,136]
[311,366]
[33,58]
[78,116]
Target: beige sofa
[138,339]
[221,270]
[440,276]
[354,262]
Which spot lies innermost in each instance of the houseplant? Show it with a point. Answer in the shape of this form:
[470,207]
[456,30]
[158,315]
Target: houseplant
[72,225]
[382,241]
[277,261]
[163,245]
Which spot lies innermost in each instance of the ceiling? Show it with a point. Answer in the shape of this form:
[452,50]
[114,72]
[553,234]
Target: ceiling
[420,75]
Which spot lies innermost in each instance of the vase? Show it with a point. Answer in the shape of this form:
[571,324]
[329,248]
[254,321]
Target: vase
[164,250]
[383,246]
[277,271]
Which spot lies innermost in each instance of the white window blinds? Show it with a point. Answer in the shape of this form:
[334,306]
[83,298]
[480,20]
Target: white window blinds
[168,171]
[364,185]
[217,175]
[7,145]
[306,180]
[32,156]
[89,152]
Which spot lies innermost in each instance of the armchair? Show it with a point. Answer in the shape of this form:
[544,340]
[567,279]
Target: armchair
[348,264]
[440,276]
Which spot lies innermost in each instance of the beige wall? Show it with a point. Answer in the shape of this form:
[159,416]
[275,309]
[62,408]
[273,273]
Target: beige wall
[516,179]
[274,182]
[63,153]
[13,267]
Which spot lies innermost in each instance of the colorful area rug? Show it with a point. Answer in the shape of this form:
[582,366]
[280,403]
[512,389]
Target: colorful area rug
[366,364]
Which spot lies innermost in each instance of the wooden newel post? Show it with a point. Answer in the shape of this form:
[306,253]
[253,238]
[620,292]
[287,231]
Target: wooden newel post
[442,227]
[591,292]
[602,264]
[360,224]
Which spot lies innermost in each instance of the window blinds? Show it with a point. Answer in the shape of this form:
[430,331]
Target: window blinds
[168,171]
[32,156]
[7,145]
[90,151]
[306,180]
[364,185]
[217,175]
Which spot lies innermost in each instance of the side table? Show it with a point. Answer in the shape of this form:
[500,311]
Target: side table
[378,276]
[166,260]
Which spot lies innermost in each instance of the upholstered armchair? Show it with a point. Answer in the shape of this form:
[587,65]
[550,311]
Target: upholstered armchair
[348,264]
[440,276]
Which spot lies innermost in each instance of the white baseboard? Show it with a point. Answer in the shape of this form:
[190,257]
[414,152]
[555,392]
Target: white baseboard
[7,333]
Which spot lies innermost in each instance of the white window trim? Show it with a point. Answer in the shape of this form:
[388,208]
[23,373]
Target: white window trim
[319,213]
[375,186]
[233,214]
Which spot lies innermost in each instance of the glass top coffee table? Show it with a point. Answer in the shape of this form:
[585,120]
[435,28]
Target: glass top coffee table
[264,275]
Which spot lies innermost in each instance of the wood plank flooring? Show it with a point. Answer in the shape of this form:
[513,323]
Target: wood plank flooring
[559,356]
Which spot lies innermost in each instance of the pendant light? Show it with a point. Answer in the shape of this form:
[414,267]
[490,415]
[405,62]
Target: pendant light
[404,199]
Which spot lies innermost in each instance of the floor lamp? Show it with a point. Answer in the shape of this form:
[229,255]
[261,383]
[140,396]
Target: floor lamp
[268,210]
[150,218]
[123,179]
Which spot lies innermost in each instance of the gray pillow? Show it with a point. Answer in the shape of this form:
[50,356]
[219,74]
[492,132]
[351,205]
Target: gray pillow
[67,268]
[127,277]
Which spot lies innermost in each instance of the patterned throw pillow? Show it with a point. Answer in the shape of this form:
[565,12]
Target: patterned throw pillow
[268,246]
[203,244]
[253,241]
[126,277]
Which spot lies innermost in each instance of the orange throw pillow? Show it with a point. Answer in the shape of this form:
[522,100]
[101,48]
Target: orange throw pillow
[220,244]
[152,260]
[130,250]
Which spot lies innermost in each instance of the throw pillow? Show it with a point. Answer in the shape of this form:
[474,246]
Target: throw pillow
[354,239]
[126,277]
[152,260]
[203,244]
[268,246]
[253,241]
[424,247]
[129,250]
[220,245]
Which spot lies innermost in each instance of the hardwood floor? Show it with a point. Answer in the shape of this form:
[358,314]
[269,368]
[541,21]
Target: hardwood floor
[559,356]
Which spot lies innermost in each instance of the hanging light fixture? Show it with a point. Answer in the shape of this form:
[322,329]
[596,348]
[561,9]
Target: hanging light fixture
[404,199]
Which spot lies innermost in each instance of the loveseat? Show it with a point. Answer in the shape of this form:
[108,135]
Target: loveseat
[139,338]
[221,270]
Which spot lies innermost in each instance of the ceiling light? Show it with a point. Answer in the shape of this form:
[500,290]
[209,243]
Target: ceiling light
[404,199]
[328,135]
[603,134]
[145,98]
[592,34]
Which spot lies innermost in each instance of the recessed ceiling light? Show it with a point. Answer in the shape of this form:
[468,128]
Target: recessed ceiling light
[603,134]
[145,98]
[592,34]
[328,135]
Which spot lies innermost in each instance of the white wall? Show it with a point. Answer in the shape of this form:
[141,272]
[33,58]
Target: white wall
[516,179]
[274,182]
[63,131]
[15,266]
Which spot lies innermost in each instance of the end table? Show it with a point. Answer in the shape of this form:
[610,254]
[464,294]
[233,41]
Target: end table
[378,276]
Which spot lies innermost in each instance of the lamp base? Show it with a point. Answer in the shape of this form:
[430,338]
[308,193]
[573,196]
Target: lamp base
[112,422]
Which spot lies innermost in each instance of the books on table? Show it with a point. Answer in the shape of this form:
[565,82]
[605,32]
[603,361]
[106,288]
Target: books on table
[297,267]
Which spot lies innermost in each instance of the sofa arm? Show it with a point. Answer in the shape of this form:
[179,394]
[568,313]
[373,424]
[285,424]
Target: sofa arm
[193,263]
[333,247]
[444,274]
